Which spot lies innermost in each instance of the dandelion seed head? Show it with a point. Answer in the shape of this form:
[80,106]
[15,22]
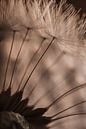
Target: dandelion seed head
[41,46]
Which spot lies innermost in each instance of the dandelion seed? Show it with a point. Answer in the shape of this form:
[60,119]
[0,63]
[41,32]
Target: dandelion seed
[36,90]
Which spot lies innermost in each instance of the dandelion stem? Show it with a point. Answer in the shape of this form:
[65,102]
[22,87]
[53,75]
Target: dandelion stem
[77,104]
[8,60]
[18,57]
[30,64]
[69,115]
[67,93]
[38,63]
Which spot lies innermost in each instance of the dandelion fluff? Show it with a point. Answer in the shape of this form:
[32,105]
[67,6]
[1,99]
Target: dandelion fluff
[41,76]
